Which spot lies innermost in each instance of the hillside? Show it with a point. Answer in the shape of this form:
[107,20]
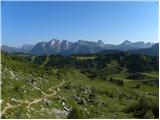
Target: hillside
[116,85]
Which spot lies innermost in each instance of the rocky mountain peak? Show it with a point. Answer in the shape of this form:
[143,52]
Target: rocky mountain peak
[100,43]
[56,46]
[54,42]
[127,42]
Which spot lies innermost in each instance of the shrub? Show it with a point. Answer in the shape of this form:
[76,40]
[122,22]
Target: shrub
[136,76]
[76,113]
[146,107]
[149,115]
[137,86]
[67,85]
[117,82]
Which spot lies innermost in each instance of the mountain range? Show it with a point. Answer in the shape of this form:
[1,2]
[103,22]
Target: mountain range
[153,51]
[64,47]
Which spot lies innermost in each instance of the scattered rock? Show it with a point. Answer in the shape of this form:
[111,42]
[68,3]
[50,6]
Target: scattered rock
[58,89]
[12,74]
[80,100]
[1,101]
[68,109]
[25,91]
[46,101]
[63,103]
[13,99]
[59,114]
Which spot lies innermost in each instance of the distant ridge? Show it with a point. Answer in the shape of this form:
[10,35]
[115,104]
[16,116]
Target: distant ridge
[153,51]
[64,47]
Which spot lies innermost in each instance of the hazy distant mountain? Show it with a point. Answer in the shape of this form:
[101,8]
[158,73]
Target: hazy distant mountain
[10,49]
[65,47]
[127,45]
[153,51]
[24,49]
[81,46]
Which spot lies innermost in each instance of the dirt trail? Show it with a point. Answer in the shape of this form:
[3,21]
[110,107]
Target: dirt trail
[8,107]
[46,95]
[35,101]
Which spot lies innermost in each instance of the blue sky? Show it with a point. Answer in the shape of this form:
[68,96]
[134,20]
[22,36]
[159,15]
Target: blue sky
[112,22]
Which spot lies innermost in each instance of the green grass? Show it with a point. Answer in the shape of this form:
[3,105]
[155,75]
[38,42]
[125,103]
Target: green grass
[105,99]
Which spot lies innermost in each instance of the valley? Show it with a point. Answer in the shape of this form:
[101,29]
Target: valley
[114,85]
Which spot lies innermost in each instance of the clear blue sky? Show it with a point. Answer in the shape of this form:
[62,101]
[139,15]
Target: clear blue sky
[112,22]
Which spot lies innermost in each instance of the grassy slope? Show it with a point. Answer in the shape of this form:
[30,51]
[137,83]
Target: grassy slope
[115,105]
[110,99]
